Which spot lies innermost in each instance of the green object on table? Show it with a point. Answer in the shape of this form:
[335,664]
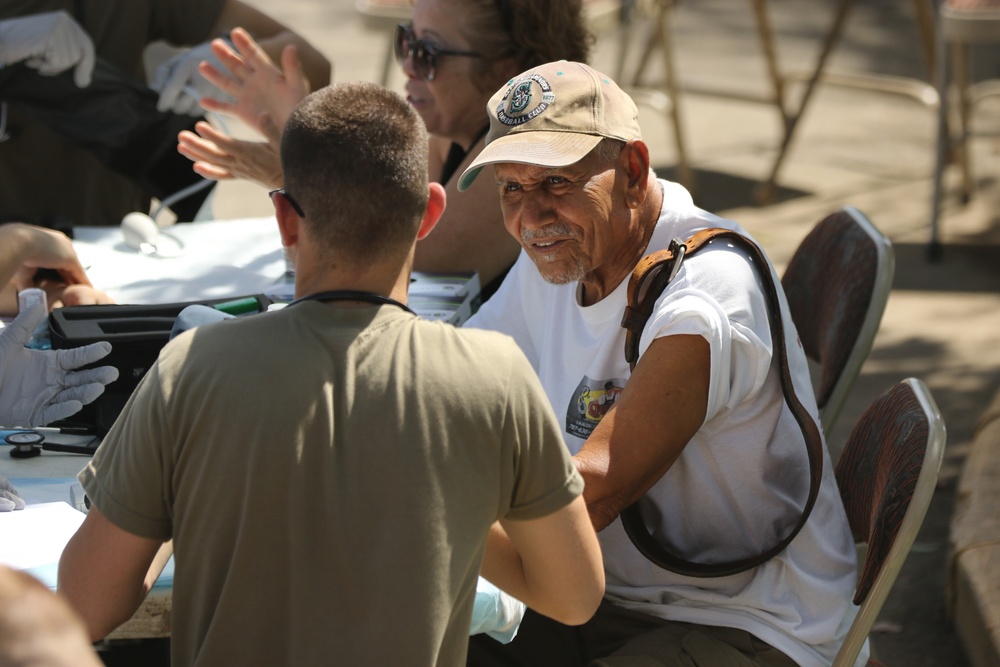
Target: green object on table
[239,306]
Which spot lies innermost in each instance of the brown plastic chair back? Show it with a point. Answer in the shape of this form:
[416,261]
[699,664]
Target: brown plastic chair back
[837,284]
[887,474]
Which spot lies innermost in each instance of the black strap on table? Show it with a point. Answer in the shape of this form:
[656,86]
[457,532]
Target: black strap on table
[353,295]
[654,272]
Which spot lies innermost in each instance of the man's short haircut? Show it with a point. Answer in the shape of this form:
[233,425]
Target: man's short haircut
[355,159]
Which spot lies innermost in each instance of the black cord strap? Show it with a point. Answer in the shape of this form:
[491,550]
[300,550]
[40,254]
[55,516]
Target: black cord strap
[353,295]
[658,269]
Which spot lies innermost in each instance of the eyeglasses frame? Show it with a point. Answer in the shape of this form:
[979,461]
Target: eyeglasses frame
[423,54]
[291,200]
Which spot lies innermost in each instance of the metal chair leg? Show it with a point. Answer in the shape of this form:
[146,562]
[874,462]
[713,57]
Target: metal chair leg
[666,101]
[765,190]
[943,148]
[685,174]
[771,58]
[960,75]
[924,10]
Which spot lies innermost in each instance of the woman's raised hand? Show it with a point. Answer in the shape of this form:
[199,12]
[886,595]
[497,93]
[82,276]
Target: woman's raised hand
[257,85]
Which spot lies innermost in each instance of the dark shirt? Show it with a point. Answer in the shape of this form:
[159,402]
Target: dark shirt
[457,155]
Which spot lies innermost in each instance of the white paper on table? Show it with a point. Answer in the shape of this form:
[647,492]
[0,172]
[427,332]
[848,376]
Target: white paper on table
[219,259]
[37,534]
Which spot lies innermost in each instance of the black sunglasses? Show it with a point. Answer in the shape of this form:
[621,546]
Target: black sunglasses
[294,204]
[423,53]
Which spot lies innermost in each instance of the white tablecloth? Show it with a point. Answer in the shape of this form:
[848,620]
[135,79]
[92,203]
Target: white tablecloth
[218,259]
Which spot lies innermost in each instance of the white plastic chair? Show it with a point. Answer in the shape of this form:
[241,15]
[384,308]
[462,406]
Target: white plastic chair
[837,284]
[887,475]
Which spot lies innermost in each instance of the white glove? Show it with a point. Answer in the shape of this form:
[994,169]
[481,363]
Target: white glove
[496,613]
[181,85]
[9,500]
[51,43]
[41,386]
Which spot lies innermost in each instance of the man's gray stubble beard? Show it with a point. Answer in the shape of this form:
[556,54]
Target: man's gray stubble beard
[555,229]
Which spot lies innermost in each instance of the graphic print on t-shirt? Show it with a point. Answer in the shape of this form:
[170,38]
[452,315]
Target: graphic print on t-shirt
[589,403]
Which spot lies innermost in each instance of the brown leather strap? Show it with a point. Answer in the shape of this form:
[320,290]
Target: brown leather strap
[650,277]
[658,269]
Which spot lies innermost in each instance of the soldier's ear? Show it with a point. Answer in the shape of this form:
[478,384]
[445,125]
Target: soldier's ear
[435,207]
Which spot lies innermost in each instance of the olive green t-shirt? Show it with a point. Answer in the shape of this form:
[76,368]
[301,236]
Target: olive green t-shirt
[329,476]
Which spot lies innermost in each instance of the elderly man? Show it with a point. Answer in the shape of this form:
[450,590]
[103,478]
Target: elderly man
[329,473]
[699,433]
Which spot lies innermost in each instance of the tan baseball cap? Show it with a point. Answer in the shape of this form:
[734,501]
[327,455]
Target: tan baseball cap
[552,116]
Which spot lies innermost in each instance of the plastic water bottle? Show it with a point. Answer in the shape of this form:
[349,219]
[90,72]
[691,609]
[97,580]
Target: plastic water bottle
[26,299]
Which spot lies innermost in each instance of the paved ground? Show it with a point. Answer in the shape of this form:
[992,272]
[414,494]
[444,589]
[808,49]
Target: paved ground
[871,150]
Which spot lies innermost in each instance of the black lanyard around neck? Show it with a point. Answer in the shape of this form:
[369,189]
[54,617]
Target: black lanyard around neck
[352,295]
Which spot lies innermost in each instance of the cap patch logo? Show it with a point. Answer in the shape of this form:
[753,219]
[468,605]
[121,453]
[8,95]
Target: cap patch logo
[521,97]
[522,102]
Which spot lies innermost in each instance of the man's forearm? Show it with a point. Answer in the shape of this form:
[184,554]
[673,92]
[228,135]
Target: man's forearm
[552,564]
[637,441]
[103,573]
[103,607]
[502,565]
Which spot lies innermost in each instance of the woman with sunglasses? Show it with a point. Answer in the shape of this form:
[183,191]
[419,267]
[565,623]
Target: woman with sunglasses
[455,54]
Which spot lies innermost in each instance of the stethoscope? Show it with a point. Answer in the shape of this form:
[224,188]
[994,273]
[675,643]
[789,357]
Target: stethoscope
[30,443]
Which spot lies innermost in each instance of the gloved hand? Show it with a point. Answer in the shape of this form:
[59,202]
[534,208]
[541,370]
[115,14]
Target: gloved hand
[9,500]
[180,84]
[41,386]
[51,43]
[496,613]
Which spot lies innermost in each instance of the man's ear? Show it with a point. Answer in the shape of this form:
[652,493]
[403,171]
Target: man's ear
[435,207]
[636,163]
[288,222]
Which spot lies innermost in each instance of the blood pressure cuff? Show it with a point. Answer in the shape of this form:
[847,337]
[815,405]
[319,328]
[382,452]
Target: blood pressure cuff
[116,119]
[137,333]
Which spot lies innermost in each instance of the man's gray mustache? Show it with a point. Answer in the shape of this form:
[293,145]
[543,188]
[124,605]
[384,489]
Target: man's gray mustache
[548,231]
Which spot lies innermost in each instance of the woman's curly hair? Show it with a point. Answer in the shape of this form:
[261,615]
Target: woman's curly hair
[532,32]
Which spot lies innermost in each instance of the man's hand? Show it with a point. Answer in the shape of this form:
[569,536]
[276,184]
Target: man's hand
[51,43]
[42,386]
[181,86]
